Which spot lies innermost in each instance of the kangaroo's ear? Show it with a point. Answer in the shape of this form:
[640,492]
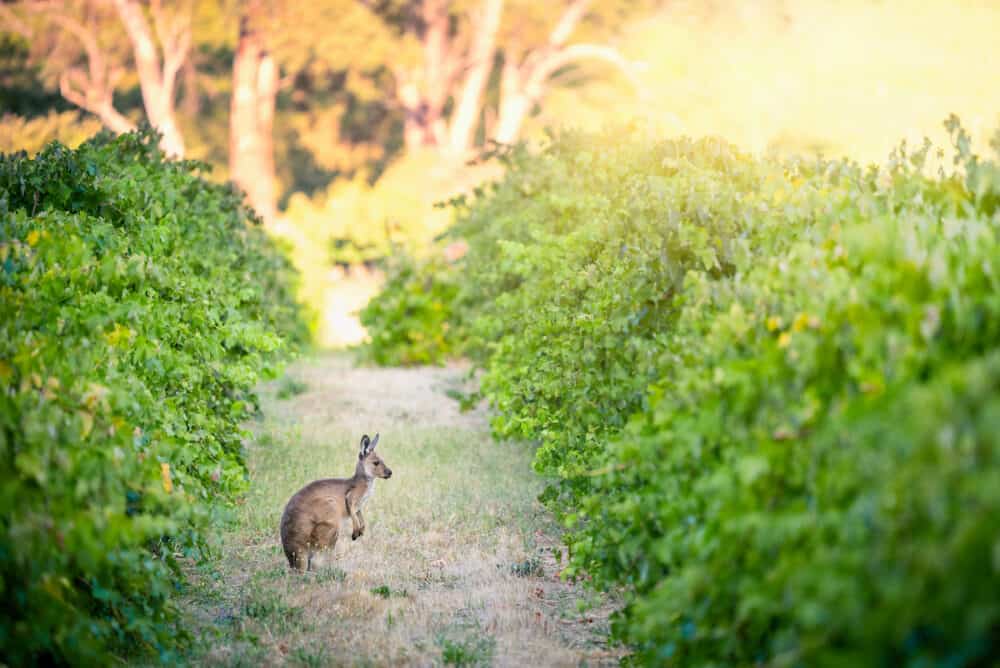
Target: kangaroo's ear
[365,447]
[374,443]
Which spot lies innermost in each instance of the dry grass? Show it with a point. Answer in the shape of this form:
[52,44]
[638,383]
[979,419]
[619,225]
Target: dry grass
[459,563]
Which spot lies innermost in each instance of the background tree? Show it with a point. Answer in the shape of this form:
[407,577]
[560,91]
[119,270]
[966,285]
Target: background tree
[537,45]
[81,48]
[252,105]
[92,48]
[287,96]
[442,94]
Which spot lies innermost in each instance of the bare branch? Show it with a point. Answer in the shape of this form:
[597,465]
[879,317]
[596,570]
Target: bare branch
[159,22]
[146,58]
[520,93]
[174,35]
[96,60]
[96,101]
[174,58]
[11,22]
[87,38]
[575,52]
[91,89]
[66,88]
[560,34]
[567,22]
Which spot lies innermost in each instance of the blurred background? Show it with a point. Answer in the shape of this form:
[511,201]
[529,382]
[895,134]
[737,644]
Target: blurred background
[346,120]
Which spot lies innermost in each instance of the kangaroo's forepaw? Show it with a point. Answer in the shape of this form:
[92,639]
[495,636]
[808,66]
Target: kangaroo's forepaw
[356,534]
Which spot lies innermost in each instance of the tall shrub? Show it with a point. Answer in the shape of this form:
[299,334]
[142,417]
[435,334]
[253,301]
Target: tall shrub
[768,391]
[816,478]
[139,305]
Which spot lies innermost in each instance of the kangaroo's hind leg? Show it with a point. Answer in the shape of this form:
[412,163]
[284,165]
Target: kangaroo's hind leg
[294,557]
[294,545]
[324,538]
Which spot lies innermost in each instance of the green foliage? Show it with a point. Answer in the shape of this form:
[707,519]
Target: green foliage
[311,657]
[138,308]
[472,651]
[384,591]
[409,319]
[291,387]
[268,606]
[769,390]
[572,265]
[816,478]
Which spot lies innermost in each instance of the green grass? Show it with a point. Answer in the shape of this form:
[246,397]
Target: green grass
[387,592]
[290,387]
[472,651]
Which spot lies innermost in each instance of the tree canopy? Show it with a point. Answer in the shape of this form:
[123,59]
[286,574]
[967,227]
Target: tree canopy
[357,83]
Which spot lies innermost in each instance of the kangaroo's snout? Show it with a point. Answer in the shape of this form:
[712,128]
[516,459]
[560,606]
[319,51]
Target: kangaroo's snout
[388,473]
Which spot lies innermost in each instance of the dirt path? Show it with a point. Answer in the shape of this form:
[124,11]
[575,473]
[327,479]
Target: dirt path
[459,563]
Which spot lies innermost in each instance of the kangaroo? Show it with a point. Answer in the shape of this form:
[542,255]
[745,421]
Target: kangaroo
[314,514]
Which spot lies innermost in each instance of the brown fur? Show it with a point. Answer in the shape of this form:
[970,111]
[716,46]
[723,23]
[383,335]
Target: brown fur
[313,516]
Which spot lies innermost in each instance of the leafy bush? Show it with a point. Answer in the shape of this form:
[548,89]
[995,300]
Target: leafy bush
[769,391]
[572,263]
[409,319]
[137,310]
[355,221]
[565,293]
[816,478]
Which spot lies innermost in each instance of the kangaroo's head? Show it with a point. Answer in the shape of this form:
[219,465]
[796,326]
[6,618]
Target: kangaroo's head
[369,463]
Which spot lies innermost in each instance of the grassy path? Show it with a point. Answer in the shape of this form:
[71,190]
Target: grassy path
[459,562]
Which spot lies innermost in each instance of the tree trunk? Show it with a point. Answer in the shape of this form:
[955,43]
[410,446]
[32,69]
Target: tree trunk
[251,115]
[424,92]
[414,123]
[514,104]
[171,142]
[436,76]
[467,111]
[513,110]
[243,138]
[156,82]
[267,94]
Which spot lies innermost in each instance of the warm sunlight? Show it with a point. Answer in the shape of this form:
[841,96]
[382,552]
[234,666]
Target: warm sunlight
[844,77]
[667,331]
